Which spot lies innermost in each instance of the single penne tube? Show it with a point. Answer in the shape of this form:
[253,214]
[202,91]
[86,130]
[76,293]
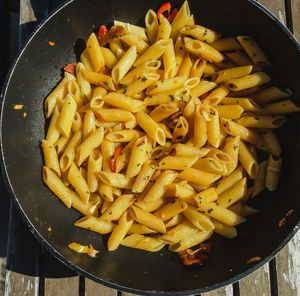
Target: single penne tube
[248,81]
[119,232]
[183,150]
[224,230]
[181,19]
[137,157]
[151,127]
[271,94]
[282,107]
[132,40]
[210,70]
[88,145]
[260,121]
[143,82]
[219,155]
[123,102]
[253,50]
[88,209]
[226,64]
[169,61]
[94,224]
[180,191]
[202,49]
[165,85]
[159,188]
[66,116]
[140,229]
[246,103]
[199,220]
[106,204]
[79,183]
[198,177]
[75,91]
[144,176]
[115,115]
[246,92]
[56,185]
[115,45]
[85,87]
[147,67]
[137,31]
[184,230]
[191,241]
[213,128]
[271,142]
[179,51]
[203,87]
[77,123]
[200,128]
[53,132]
[115,180]
[122,136]
[226,44]
[163,111]
[164,28]
[273,172]
[231,147]
[229,181]
[106,192]
[142,242]
[240,58]
[153,52]
[242,210]
[198,68]
[150,206]
[123,158]
[57,93]
[228,74]
[124,64]
[200,33]
[221,214]
[206,196]
[107,150]
[216,96]
[109,58]
[230,111]
[94,166]
[99,79]
[181,129]
[147,219]
[89,126]
[247,160]
[234,129]
[192,82]
[210,165]
[171,209]
[176,163]
[94,50]
[151,24]
[233,194]
[174,221]
[117,208]
[50,157]
[259,181]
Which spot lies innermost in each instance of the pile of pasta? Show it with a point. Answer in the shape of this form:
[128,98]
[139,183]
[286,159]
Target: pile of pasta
[154,137]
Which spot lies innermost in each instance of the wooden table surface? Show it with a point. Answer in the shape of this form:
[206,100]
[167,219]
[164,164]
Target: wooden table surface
[27,269]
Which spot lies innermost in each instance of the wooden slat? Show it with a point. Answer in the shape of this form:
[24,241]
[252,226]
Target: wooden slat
[257,283]
[288,268]
[22,259]
[226,291]
[296,17]
[277,7]
[94,289]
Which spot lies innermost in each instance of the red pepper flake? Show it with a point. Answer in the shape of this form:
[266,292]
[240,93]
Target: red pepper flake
[102,31]
[253,259]
[113,165]
[118,151]
[166,7]
[290,213]
[70,68]
[172,15]
[113,33]
[51,43]
[282,222]
[199,256]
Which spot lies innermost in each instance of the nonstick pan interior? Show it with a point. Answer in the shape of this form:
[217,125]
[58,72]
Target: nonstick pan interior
[38,69]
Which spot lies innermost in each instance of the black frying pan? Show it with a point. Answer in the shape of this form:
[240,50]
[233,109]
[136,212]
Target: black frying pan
[37,70]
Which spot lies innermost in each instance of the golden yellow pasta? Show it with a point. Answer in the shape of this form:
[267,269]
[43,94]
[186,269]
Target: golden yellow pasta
[153,138]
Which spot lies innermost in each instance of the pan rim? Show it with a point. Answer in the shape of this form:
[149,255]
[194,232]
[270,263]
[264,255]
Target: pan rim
[53,250]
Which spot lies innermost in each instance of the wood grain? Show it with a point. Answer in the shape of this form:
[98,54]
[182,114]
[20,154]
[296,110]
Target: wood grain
[94,289]
[277,7]
[296,17]
[288,268]
[225,291]
[257,283]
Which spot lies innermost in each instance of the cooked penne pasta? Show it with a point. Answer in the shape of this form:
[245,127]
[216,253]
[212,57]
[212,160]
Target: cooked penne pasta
[213,127]
[133,40]
[206,196]
[270,94]
[115,179]
[282,107]
[225,75]
[95,53]
[226,44]
[99,79]
[53,132]
[203,87]
[50,157]
[151,24]
[248,161]
[77,123]
[109,58]
[164,28]
[94,166]
[94,224]
[182,18]
[198,177]
[230,111]
[138,31]
[143,242]
[271,142]
[224,230]
[171,209]
[259,181]
[273,172]
[200,33]
[245,103]
[176,163]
